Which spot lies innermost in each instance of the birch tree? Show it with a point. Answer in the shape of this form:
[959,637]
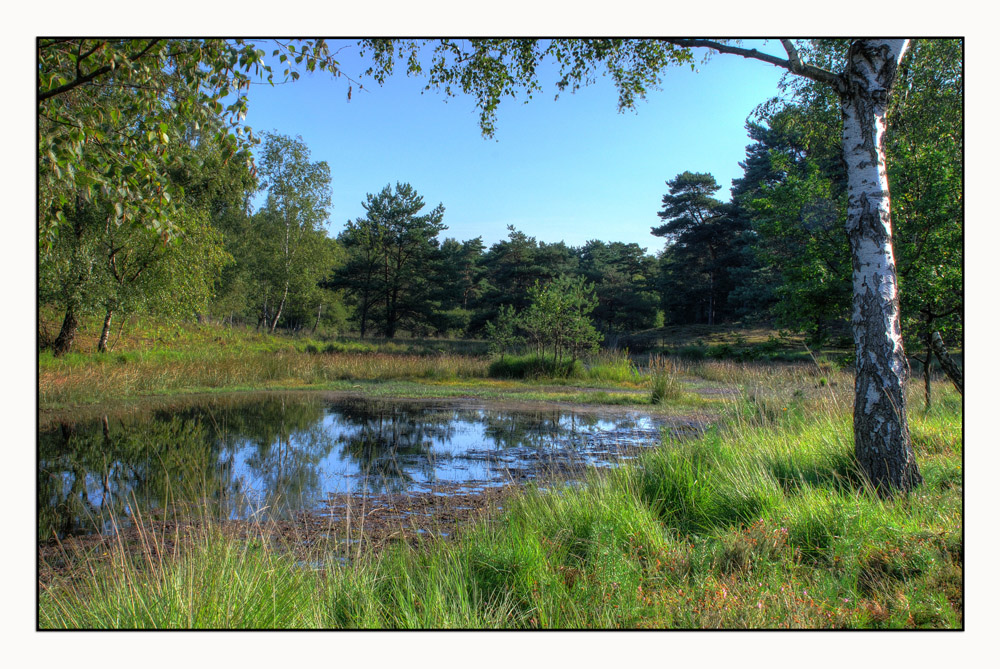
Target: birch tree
[294,215]
[494,69]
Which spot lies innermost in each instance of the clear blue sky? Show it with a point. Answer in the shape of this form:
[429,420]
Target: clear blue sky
[571,169]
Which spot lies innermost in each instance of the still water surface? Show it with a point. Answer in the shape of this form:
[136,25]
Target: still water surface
[282,454]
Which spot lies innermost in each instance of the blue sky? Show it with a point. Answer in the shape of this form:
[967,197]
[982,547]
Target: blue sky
[572,169]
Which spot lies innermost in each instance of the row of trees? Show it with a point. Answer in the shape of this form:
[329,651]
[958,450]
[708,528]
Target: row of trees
[775,250]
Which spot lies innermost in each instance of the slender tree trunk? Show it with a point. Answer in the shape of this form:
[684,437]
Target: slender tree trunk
[711,301]
[881,435]
[364,317]
[102,343]
[928,356]
[262,318]
[711,288]
[952,370]
[281,305]
[67,332]
[319,314]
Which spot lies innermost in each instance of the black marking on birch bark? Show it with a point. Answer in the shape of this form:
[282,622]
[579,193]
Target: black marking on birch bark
[882,441]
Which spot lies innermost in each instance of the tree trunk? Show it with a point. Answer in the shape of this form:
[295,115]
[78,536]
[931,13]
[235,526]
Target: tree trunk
[364,317]
[711,301]
[262,317]
[928,356]
[102,343]
[67,332]
[80,271]
[947,364]
[881,434]
[319,314]
[281,305]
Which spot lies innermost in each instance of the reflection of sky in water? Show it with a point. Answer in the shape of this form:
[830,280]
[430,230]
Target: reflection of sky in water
[291,454]
[475,446]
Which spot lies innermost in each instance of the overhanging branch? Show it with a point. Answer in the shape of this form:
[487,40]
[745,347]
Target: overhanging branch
[80,80]
[793,64]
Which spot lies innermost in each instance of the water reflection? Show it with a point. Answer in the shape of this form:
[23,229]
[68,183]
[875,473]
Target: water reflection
[286,453]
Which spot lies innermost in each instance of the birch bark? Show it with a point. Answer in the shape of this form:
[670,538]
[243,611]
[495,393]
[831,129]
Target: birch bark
[881,436]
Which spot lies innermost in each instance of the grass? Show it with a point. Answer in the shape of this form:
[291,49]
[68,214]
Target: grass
[763,522]
[176,360]
[105,377]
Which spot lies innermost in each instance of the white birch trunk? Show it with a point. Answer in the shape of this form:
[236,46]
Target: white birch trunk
[881,435]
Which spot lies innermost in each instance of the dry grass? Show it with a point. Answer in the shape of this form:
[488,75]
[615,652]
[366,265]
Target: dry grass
[115,377]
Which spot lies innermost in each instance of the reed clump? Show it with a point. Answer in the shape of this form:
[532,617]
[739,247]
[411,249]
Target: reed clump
[664,386]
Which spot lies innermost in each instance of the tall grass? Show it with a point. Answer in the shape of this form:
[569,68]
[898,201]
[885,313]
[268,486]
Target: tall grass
[664,386]
[65,382]
[764,522]
[535,366]
[614,366]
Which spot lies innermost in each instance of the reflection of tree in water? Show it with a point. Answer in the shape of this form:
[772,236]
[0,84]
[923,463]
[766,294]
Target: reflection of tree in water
[89,473]
[287,443]
[391,441]
[227,451]
[535,429]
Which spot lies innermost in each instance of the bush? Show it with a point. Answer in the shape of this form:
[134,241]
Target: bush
[692,352]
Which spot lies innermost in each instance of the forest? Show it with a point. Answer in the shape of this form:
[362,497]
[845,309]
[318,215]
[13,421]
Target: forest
[773,251]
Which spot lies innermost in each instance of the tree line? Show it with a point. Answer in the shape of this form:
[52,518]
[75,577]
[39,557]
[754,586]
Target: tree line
[774,252]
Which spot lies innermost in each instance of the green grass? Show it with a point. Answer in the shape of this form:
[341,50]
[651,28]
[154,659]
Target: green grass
[762,523]
[535,367]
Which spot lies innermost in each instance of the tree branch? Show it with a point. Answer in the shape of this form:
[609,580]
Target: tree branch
[793,54]
[80,80]
[794,63]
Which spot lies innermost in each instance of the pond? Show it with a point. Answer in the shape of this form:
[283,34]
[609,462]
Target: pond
[282,454]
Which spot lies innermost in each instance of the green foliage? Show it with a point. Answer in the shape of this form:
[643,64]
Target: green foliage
[925,147]
[286,251]
[800,226]
[393,256]
[559,317]
[705,248]
[114,114]
[794,184]
[512,266]
[556,320]
[624,280]
[104,264]
[491,70]
[502,332]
